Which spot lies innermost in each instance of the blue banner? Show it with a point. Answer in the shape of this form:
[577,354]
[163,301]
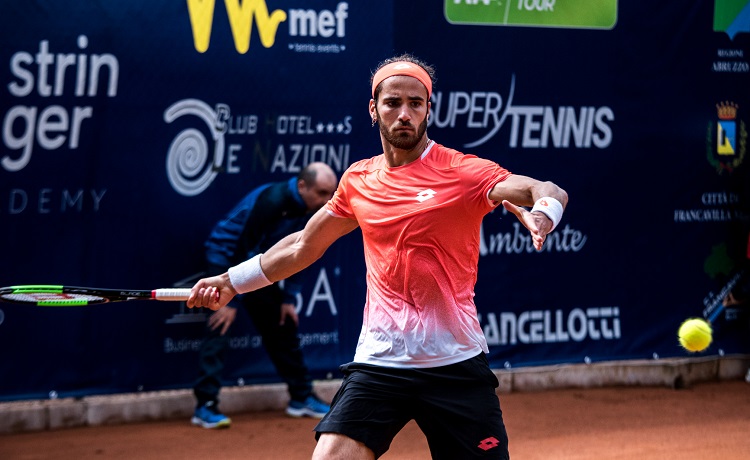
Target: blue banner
[129,128]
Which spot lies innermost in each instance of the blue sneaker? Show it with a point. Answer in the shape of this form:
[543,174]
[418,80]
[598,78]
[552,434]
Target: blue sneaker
[310,407]
[208,416]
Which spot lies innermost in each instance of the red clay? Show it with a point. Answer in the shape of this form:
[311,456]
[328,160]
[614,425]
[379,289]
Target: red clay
[707,421]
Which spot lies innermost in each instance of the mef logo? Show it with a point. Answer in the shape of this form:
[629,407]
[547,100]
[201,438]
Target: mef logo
[242,14]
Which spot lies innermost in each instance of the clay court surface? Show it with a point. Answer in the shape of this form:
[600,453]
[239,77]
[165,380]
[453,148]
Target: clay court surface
[705,421]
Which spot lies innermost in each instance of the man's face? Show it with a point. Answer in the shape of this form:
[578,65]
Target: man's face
[401,110]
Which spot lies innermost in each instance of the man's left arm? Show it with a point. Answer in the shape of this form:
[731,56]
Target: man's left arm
[548,201]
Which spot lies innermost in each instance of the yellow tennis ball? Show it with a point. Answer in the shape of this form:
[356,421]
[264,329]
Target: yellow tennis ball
[695,334]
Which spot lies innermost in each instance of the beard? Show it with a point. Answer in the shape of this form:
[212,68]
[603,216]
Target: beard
[403,139]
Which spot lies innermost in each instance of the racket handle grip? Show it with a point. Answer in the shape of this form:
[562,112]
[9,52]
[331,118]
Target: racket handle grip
[174,294]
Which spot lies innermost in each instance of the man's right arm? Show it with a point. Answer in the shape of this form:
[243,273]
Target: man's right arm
[290,255]
[299,250]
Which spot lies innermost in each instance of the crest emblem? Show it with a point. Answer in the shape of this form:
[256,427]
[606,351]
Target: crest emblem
[726,139]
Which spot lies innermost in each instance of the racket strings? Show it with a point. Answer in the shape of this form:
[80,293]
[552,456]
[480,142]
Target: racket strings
[53,298]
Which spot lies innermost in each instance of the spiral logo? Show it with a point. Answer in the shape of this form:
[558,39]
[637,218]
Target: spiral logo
[190,166]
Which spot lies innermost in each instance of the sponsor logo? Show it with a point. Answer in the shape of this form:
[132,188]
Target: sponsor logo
[321,27]
[519,241]
[730,61]
[547,326]
[726,139]
[39,76]
[197,156]
[531,126]
[488,443]
[188,168]
[720,266]
[32,123]
[716,207]
[732,17]
[425,195]
[578,14]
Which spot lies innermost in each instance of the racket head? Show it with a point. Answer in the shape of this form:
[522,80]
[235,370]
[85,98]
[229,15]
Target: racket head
[47,295]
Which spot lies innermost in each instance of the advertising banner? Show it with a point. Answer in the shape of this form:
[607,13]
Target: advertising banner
[130,128]
[644,126]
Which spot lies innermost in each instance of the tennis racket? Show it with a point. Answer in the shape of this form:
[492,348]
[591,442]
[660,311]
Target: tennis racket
[71,296]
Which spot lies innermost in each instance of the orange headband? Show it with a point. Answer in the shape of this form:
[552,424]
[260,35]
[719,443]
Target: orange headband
[402,68]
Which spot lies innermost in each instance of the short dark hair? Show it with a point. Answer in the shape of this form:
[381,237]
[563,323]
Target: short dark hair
[308,175]
[408,58]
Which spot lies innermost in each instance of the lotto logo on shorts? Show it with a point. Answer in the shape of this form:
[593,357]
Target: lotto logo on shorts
[489,443]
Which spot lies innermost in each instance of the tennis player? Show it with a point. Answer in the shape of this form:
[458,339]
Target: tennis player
[421,353]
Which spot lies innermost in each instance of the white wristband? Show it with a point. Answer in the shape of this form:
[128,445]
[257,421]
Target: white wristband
[551,208]
[248,276]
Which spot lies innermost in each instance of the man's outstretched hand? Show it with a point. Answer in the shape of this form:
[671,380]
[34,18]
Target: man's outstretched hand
[537,223]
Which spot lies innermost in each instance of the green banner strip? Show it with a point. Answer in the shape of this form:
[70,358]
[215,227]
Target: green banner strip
[582,14]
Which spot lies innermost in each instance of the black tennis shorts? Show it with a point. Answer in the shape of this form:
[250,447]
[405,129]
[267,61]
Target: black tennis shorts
[455,406]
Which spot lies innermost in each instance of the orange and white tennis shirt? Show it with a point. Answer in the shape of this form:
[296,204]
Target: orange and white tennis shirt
[420,225]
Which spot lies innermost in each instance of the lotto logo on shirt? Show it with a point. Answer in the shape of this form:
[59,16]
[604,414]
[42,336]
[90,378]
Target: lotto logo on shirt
[425,195]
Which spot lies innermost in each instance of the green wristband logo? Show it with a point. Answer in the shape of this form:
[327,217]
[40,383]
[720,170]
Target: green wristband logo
[576,14]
